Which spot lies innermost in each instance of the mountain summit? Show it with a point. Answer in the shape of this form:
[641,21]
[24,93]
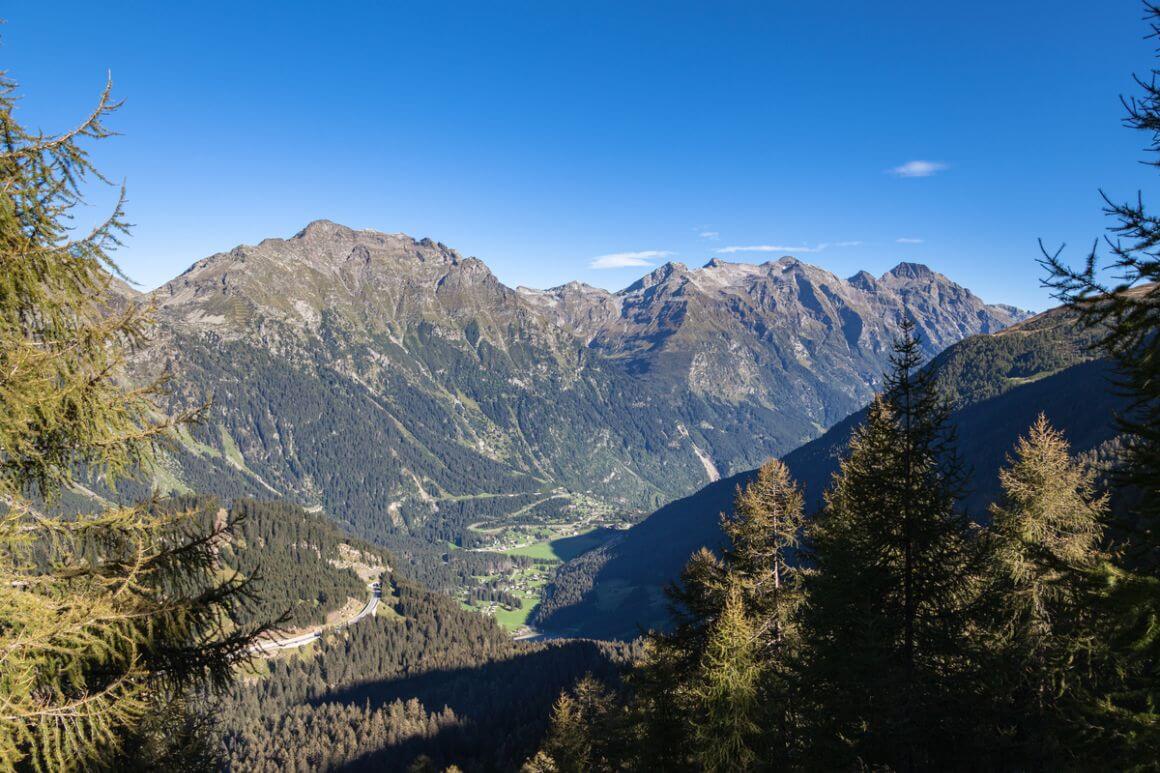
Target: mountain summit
[403,387]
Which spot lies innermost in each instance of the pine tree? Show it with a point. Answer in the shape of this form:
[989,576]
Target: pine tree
[104,617]
[1127,312]
[1045,539]
[892,588]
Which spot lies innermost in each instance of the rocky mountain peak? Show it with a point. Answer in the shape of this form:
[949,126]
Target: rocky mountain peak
[579,288]
[907,270]
[324,229]
[668,273]
[864,280]
[365,276]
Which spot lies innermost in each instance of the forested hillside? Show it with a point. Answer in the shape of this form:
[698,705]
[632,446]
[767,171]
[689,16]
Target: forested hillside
[405,390]
[997,384]
[422,678]
[301,567]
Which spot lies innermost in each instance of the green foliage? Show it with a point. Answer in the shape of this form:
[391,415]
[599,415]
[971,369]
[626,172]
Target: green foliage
[1127,312]
[723,698]
[104,617]
[892,585]
[986,366]
[583,732]
[1045,539]
[301,563]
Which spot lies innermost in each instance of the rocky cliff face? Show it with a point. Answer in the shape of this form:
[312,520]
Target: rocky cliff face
[743,332]
[404,388]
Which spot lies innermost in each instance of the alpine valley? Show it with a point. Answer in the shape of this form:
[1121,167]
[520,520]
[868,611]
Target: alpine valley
[350,500]
[404,390]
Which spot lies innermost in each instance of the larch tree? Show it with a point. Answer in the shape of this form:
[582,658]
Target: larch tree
[764,531]
[723,697]
[105,617]
[757,584]
[584,733]
[1046,534]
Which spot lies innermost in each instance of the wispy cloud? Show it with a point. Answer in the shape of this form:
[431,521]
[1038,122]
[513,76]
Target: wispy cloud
[711,235]
[628,259]
[918,169]
[769,248]
[800,248]
[908,240]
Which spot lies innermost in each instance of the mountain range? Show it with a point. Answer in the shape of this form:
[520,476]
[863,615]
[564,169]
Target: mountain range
[996,385]
[404,389]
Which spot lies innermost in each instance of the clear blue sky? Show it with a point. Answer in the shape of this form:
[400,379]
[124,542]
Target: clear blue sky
[540,136]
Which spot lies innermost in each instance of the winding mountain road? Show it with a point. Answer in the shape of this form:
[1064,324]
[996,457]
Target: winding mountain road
[273,645]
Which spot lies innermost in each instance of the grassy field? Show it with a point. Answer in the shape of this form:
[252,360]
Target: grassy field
[510,619]
[562,548]
[551,546]
[513,619]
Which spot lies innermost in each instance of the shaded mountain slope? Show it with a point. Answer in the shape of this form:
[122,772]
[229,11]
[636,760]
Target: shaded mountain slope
[999,383]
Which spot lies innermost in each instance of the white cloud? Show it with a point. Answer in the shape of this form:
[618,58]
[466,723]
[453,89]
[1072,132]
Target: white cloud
[918,169]
[713,235]
[801,248]
[770,248]
[908,240]
[628,259]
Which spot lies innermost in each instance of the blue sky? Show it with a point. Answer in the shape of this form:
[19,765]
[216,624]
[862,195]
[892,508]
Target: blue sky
[545,136]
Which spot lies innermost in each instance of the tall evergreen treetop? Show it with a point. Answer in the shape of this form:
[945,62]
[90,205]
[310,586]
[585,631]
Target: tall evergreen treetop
[892,586]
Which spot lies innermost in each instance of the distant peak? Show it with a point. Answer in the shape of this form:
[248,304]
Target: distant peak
[863,280]
[322,228]
[666,270]
[717,263]
[575,287]
[658,276]
[907,270]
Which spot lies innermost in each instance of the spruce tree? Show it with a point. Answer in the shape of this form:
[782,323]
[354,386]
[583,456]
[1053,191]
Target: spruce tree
[104,617]
[1118,293]
[1045,539]
[892,585]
